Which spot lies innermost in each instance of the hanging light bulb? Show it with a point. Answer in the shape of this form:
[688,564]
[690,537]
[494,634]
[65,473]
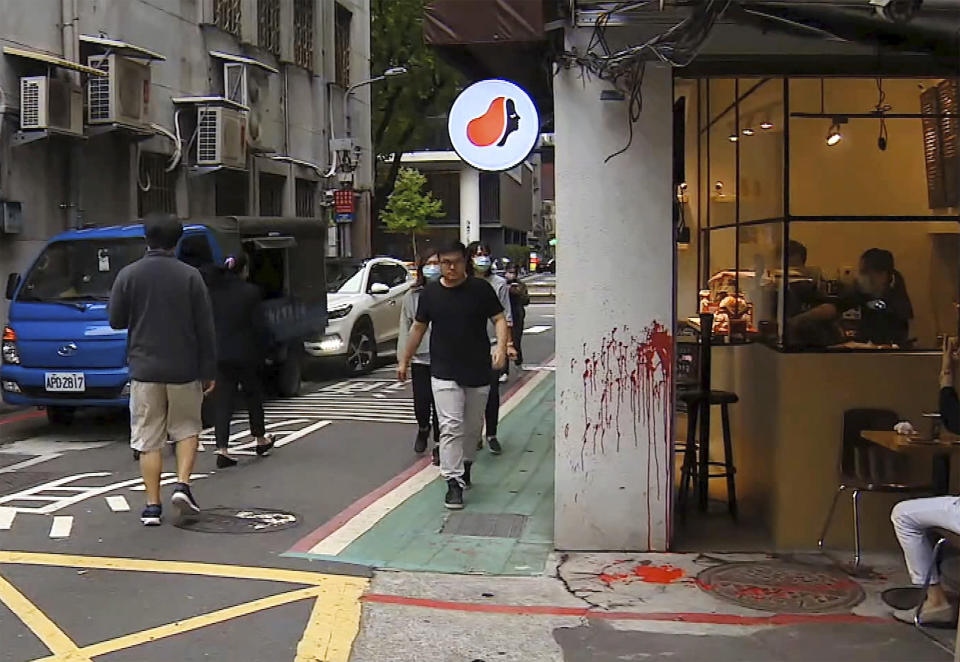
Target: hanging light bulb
[733,138]
[833,135]
[766,125]
[748,131]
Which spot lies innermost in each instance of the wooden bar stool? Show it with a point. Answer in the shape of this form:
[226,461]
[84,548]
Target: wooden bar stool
[699,468]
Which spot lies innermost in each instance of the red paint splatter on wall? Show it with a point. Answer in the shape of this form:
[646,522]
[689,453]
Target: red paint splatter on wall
[629,373]
[649,574]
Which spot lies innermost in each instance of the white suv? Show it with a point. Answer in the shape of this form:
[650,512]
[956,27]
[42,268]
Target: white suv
[364,298]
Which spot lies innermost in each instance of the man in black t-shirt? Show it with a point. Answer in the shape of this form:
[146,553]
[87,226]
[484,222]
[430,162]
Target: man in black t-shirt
[458,308]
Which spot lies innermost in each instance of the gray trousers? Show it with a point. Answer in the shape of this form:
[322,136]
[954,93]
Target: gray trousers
[460,410]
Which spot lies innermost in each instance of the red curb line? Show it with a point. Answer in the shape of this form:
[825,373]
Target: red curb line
[16,418]
[699,618]
[306,543]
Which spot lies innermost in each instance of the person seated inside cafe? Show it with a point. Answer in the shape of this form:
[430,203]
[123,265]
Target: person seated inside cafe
[913,518]
[878,306]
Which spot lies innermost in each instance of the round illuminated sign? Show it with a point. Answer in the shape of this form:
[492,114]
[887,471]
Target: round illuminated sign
[494,125]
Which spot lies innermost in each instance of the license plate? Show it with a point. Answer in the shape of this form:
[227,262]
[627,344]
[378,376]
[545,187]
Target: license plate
[65,382]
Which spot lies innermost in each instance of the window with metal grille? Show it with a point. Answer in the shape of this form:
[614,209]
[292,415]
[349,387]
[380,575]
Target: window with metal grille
[940,143]
[303,31]
[268,25]
[161,186]
[341,44]
[271,195]
[306,198]
[226,15]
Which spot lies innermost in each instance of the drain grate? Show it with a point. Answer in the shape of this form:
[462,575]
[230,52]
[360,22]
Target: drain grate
[15,481]
[503,525]
[239,520]
[782,587]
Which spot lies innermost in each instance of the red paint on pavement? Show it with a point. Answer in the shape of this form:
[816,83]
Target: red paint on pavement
[25,416]
[307,543]
[650,574]
[699,618]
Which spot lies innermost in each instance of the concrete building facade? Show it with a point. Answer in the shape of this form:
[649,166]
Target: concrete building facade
[291,63]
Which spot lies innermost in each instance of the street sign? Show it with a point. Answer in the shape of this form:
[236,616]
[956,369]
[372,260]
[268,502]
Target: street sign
[343,203]
[344,218]
[494,125]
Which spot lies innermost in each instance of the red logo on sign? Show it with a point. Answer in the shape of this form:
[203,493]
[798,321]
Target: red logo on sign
[495,125]
[343,201]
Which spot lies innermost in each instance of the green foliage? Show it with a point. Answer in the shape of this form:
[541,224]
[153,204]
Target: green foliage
[518,255]
[402,105]
[409,207]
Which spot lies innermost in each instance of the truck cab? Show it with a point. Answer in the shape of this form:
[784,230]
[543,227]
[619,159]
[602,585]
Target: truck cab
[58,349]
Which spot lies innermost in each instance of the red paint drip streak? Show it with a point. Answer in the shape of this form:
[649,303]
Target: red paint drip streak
[584,612]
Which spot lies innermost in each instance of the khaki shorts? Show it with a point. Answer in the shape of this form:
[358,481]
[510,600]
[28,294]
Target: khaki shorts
[162,413]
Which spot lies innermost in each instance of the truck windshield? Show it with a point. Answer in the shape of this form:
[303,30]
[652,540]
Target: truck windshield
[80,270]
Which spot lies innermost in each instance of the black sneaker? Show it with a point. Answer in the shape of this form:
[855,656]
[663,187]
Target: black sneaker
[183,499]
[423,435]
[494,445]
[152,515]
[264,449]
[436,456]
[454,498]
[467,466]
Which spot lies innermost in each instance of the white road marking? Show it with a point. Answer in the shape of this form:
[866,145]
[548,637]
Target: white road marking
[118,503]
[290,438]
[6,518]
[363,521]
[540,368]
[29,463]
[62,525]
[537,329]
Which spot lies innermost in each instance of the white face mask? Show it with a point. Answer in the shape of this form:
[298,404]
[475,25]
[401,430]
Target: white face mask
[482,262]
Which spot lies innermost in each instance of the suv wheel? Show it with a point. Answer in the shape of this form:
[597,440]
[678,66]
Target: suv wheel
[361,350]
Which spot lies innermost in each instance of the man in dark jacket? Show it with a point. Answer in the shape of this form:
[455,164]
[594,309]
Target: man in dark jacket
[164,305]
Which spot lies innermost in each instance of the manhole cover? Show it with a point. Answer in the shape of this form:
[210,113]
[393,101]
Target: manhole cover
[782,587]
[504,525]
[239,520]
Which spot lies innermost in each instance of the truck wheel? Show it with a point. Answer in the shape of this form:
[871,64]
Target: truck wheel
[362,350]
[289,376]
[60,415]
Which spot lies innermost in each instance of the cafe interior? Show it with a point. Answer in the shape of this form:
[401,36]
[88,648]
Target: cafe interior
[818,250]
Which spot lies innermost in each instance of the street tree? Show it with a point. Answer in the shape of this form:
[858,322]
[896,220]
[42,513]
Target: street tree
[409,207]
[403,105]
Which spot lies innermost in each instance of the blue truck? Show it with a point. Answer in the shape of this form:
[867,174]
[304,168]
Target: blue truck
[59,352]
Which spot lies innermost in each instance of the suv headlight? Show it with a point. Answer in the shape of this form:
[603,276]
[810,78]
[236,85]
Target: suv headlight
[339,311]
[9,351]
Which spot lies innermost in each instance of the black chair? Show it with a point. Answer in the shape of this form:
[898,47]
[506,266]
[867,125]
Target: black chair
[699,468]
[865,467]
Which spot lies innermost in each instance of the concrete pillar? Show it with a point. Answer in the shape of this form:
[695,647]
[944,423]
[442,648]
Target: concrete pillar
[469,205]
[615,316]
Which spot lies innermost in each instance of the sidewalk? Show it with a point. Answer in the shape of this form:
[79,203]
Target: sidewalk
[441,594]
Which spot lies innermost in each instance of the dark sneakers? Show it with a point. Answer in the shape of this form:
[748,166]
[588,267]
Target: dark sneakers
[436,456]
[494,445]
[467,466]
[454,498]
[183,499]
[152,515]
[264,449]
[423,434]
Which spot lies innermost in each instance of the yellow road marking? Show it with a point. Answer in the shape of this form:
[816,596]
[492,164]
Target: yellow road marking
[329,635]
[172,567]
[46,630]
[334,624]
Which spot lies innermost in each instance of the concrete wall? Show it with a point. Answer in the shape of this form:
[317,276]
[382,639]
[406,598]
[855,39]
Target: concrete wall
[614,329]
[37,174]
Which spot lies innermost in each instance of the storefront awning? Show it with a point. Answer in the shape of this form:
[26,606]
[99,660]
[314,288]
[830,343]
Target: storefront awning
[52,60]
[121,48]
[220,55]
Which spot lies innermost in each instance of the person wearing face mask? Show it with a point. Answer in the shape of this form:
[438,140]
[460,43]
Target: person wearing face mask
[519,300]
[879,304]
[482,265]
[428,271]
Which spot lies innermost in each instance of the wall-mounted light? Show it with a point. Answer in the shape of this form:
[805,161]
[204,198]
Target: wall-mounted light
[718,187]
[766,125]
[733,138]
[833,135]
[748,131]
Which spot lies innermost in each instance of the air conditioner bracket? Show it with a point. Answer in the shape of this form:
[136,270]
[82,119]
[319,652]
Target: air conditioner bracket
[137,133]
[26,137]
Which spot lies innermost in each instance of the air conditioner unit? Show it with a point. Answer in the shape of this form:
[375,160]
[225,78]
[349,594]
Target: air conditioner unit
[50,103]
[248,87]
[121,97]
[221,137]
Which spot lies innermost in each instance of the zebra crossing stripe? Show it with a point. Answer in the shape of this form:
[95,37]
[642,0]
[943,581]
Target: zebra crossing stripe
[61,527]
[118,504]
[6,518]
